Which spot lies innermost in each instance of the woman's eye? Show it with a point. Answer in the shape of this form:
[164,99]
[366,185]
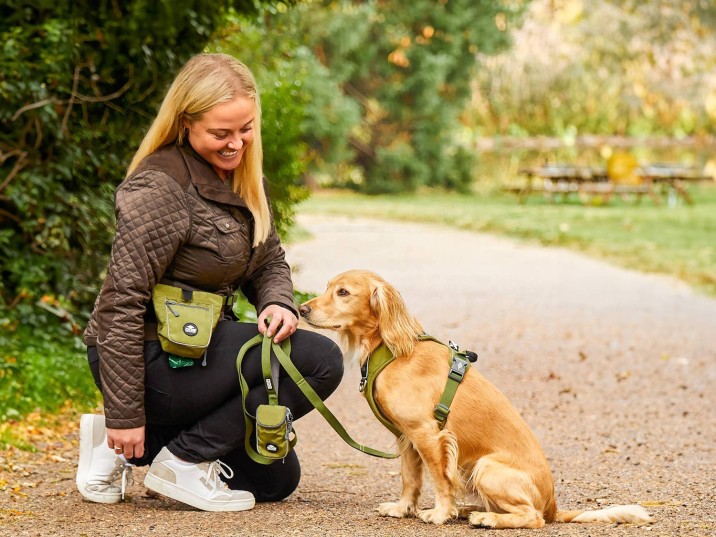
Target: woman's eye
[342,292]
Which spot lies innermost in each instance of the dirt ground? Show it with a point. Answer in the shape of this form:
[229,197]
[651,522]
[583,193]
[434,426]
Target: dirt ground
[615,371]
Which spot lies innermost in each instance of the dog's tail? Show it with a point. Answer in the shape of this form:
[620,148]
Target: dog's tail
[620,514]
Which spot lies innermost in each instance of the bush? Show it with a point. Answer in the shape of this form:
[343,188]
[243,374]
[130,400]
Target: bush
[80,82]
[42,370]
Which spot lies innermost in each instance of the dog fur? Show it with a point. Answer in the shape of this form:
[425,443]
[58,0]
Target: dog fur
[486,454]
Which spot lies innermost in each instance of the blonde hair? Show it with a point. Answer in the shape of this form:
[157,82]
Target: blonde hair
[205,81]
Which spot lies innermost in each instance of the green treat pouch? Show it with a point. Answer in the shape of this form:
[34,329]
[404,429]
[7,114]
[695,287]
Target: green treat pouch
[274,424]
[185,319]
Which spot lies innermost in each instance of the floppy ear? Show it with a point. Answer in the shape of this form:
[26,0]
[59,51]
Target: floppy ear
[398,328]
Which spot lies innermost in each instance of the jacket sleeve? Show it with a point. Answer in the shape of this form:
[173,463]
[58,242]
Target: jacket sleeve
[268,279]
[152,223]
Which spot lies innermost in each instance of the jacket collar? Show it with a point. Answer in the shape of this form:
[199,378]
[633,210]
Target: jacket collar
[207,182]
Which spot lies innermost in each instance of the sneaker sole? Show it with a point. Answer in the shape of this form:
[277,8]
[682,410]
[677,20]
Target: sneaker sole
[86,422]
[170,490]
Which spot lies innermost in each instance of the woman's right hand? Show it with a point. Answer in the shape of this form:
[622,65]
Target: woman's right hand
[130,440]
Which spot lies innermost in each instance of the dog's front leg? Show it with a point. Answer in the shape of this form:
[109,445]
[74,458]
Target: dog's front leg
[440,458]
[412,474]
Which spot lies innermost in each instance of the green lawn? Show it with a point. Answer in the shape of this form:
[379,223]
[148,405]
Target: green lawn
[678,241]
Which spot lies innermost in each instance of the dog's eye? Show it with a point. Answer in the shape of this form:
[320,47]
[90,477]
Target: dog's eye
[342,292]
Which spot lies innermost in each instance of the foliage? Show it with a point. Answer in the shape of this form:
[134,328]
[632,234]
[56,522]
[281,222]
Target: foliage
[678,242]
[304,111]
[42,369]
[605,67]
[80,82]
[411,72]
[384,85]
[284,101]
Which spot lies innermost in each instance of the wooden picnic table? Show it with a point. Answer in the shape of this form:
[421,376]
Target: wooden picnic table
[585,181]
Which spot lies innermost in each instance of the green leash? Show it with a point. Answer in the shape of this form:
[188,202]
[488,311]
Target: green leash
[282,353]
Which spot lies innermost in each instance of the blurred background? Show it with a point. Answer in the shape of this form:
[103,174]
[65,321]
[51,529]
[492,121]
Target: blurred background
[432,110]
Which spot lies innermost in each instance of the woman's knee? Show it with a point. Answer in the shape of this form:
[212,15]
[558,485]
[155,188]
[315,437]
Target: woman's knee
[329,358]
[268,483]
[284,484]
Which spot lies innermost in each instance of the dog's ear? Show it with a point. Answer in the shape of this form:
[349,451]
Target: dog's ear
[398,328]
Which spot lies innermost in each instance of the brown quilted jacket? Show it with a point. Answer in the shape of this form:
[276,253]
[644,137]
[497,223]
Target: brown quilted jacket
[176,220]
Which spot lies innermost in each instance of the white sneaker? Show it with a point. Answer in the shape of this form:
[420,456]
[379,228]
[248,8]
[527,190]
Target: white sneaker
[99,467]
[198,485]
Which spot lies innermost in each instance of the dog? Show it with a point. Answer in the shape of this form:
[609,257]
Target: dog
[486,453]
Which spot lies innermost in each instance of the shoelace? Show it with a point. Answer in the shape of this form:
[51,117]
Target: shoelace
[214,472]
[121,470]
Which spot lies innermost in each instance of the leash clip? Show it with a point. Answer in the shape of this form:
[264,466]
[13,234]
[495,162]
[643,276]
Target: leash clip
[361,386]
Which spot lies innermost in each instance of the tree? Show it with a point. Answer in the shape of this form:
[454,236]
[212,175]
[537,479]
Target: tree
[80,81]
[381,87]
[304,106]
[411,71]
[603,67]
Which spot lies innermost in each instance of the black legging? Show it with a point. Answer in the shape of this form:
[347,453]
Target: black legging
[197,411]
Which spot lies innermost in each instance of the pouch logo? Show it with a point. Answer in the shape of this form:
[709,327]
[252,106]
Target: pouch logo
[190,329]
[272,448]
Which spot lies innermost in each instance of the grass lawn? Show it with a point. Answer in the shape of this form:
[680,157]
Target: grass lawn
[678,241]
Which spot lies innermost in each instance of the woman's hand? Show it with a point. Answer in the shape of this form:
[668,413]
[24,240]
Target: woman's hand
[131,441]
[282,322]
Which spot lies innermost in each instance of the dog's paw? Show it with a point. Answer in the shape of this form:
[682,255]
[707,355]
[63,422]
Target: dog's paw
[482,520]
[396,510]
[435,516]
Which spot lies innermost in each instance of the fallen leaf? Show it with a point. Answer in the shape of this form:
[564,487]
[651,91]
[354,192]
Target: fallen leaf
[623,375]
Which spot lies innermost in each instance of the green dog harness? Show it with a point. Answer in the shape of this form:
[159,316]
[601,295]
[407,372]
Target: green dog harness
[381,357]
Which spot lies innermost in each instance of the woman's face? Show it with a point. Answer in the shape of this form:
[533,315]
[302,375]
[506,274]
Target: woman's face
[223,133]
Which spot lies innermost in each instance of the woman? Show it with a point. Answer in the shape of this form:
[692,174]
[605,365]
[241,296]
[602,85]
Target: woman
[193,212]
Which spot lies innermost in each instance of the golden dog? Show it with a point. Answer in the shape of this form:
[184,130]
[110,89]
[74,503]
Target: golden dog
[486,453]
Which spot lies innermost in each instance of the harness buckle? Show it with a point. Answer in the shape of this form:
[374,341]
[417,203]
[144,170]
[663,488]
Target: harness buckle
[454,346]
[458,368]
[441,412]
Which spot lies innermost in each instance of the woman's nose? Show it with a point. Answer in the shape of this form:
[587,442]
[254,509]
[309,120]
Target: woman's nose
[236,143]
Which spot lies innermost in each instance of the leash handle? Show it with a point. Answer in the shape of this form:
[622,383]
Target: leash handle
[270,389]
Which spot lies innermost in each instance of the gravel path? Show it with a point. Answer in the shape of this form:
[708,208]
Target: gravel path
[614,370]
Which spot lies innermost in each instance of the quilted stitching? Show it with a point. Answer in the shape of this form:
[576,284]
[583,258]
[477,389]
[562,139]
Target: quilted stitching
[152,222]
[166,229]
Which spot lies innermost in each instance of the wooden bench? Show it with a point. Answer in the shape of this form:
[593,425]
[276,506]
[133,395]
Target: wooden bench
[593,184]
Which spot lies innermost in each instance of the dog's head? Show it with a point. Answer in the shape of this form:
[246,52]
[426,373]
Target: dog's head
[364,310]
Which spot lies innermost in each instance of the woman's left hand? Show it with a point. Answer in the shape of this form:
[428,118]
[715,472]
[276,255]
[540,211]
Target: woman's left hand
[282,322]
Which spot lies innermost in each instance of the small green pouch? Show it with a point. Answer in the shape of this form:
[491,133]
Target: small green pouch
[274,425]
[185,319]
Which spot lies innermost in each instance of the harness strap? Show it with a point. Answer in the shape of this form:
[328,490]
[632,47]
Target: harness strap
[459,364]
[282,353]
[458,369]
[382,357]
[378,360]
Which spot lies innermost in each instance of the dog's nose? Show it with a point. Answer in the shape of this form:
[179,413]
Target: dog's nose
[304,310]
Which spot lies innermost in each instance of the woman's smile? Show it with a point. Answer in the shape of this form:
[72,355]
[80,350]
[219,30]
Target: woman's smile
[222,135]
